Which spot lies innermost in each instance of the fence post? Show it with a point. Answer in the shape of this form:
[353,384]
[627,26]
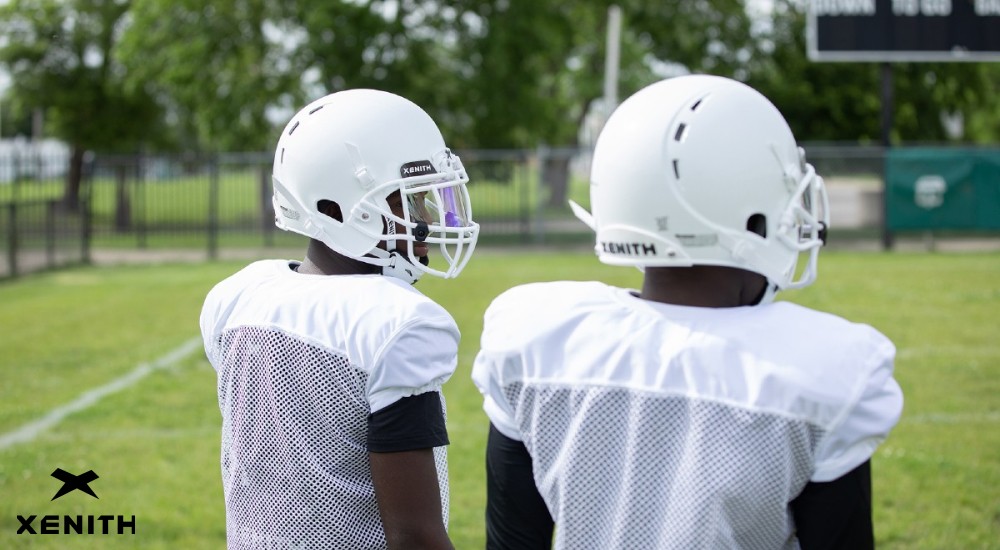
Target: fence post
[50,233]
[213,208]
[142,211]
[542,156]
[266,207]
[887,238]
[887,96]
[12,237]
[123,207]
[87,203]
[15,187]
[522,176]
[86,227]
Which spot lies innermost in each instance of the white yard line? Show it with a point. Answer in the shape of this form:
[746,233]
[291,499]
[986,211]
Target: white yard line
[953,418]
[33,429]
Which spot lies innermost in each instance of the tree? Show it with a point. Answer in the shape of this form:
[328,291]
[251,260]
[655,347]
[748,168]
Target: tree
[534,69]
[842,101]
[60,56]
[215,68]
[219,69]
[983,125]
[396,46]
[926,91]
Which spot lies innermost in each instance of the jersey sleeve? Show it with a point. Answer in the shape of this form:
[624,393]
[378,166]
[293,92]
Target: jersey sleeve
[206,322]
[498,358]
[836,514]
[865,422]
[418,358]
[516,515]
[212,319]
[486,374]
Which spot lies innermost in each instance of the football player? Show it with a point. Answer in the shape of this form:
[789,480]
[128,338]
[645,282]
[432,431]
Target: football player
[330,369]
[695,412]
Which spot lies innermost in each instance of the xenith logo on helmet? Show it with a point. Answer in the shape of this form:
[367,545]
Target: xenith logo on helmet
[629,249]
[50,524]
[416,168]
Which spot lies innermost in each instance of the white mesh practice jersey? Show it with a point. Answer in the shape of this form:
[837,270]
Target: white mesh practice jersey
[302,360]
[654,426]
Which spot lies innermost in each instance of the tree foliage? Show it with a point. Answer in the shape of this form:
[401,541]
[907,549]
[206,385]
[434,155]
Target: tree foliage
[215,68]
[533,69]
[395,46]
[843,101]
[61,59]
[125,75]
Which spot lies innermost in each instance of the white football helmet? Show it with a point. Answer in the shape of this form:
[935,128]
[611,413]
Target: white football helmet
[687,168]
[357,147]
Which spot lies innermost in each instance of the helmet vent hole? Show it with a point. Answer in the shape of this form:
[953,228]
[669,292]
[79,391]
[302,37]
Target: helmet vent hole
[697,104]
[331,209]
[677,170]
[757,223]
[294,126]
[316,109]
[282,155]
[681,132]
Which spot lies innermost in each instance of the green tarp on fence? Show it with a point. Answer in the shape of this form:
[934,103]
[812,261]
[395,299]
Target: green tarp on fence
[942,188]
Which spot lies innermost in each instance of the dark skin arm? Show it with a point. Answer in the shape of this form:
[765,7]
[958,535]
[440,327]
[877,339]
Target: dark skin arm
[409,500]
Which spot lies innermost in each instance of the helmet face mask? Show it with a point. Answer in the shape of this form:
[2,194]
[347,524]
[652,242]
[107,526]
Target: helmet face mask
[356,149]
[436,212]
[808,212]
[703,170]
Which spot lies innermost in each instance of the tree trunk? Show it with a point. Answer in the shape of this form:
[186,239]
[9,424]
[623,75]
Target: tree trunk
[555,176]
[123,210]
[74,178]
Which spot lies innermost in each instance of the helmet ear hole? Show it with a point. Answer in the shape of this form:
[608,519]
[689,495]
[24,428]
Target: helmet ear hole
[757,223]
[331,209]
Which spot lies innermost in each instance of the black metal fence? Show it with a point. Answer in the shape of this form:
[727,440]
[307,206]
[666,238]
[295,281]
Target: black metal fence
[41,234]
[224,201]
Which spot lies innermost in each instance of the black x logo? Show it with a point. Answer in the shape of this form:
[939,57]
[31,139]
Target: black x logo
[72,482]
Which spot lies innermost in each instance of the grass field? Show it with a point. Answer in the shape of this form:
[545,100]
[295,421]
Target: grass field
[155,444]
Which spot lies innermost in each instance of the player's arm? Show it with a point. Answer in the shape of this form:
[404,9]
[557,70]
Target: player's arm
[516,515]
[836,514]
[401,438]
[835,508]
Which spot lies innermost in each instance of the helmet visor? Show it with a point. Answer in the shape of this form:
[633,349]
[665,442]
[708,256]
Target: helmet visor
[446,206]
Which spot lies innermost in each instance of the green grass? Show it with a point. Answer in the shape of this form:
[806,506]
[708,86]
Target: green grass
[156,444]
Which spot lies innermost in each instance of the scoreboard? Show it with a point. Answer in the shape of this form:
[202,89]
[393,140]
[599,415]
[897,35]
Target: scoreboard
[903,30]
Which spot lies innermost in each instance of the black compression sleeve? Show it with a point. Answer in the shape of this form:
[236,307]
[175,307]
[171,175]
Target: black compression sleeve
[516,516]
[836,514]
[415,422]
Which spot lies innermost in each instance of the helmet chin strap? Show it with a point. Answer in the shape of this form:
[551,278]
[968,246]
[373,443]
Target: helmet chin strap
[398,266]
